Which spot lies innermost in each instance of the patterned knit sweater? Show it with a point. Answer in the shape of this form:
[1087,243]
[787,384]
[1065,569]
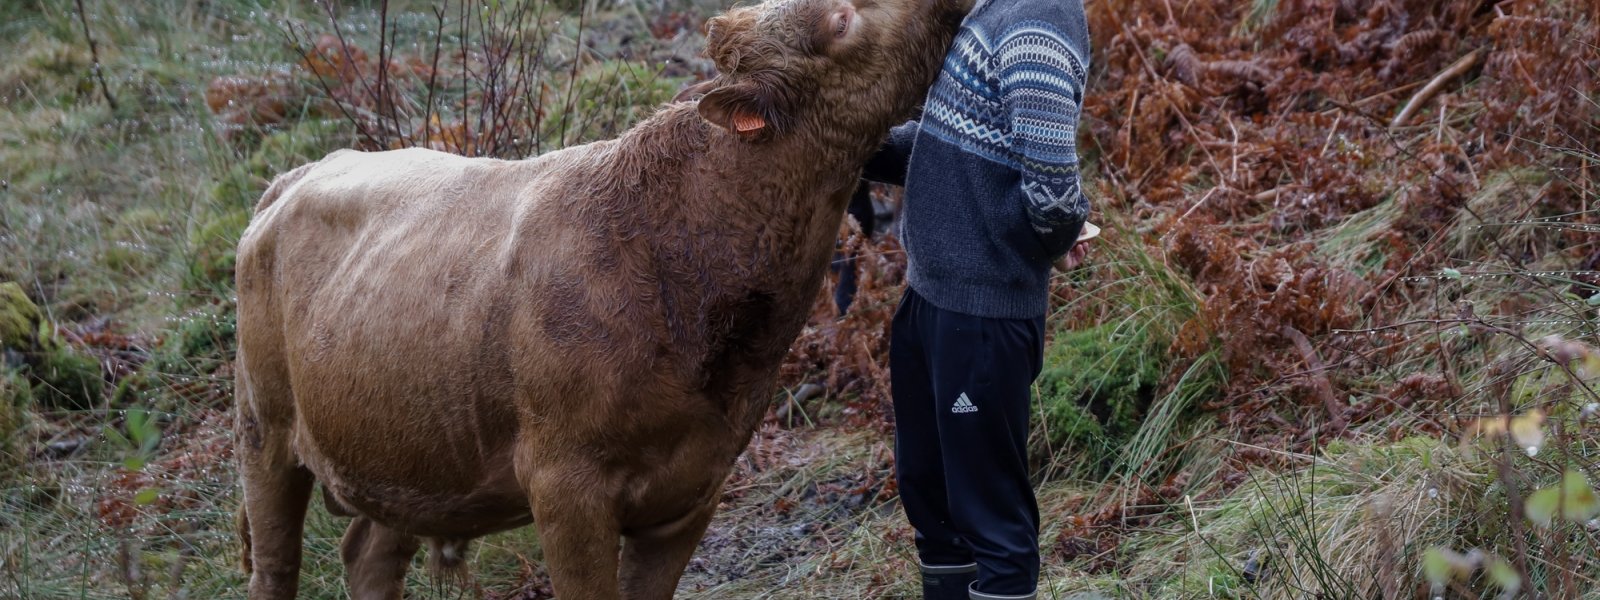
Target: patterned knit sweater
[991,169]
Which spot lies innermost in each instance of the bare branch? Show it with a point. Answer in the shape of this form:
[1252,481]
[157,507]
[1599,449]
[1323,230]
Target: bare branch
[94,54]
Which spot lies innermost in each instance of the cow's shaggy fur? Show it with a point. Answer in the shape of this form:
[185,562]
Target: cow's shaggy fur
[585,340]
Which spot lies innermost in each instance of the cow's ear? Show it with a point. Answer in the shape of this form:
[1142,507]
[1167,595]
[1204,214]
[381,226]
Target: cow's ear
[747,109]
[694,91]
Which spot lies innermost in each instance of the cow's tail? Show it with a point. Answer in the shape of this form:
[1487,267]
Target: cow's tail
[242,522]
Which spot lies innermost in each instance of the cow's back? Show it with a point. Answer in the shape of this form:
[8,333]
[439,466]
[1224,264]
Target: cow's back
[384,287]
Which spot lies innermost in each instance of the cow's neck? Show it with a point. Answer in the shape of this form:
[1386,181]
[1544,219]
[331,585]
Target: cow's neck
[782,200]
[736,236]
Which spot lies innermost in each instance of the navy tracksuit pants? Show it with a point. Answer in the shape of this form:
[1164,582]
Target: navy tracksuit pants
[962,390]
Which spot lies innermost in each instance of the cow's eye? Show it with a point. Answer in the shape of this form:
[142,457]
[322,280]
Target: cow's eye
[835,26]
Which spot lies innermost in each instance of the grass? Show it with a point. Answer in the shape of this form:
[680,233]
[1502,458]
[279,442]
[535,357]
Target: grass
[1346,524]
[1103,391]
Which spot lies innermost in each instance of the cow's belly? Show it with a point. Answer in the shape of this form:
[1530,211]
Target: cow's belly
[420,487]
[404,423]
[424,512]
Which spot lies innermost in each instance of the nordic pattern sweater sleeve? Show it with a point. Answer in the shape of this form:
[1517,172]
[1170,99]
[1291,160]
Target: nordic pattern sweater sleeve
[1041,90]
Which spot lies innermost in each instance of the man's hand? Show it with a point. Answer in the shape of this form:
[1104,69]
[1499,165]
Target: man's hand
[1073,257]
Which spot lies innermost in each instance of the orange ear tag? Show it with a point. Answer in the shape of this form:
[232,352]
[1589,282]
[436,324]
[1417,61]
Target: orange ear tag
[748,123]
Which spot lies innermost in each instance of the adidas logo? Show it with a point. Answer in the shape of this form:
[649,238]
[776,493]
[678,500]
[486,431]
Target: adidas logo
[963,405]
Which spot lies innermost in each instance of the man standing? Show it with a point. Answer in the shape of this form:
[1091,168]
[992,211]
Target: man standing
[992,199]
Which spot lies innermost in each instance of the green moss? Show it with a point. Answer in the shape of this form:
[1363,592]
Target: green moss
[60,376]
[68,379]
[13,406]
[132,390]
[1097,383]
[1115,394]
[20,318]
[136,224]
[132,241]
[48,69]
[127,259]
[54,56]
[209,335]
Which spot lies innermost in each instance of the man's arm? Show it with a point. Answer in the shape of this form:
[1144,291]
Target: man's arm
[1041,85]
[889,164]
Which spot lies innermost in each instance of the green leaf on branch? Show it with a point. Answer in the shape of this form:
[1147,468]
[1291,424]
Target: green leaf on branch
[1435,566]
[139,443]
[1578,502]
[1573,499]
[1502,575]
[1541,505]
[1441,565]
[1528,431]
[1589,366]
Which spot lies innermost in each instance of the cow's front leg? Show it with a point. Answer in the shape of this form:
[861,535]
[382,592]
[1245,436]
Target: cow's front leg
[653,558]
[580,536]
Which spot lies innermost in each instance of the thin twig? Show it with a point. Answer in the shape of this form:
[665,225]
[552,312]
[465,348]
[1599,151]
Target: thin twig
[94,54]
[355,70]
[467,147]
[1572,376]
[577,59]
[322,82]
[433,78]
[1508,479]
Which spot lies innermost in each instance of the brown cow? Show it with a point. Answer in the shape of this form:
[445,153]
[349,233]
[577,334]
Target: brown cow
[585,340]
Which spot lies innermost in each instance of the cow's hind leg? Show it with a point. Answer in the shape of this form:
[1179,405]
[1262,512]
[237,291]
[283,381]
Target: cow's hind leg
[653,559]
[276,492]
[375,559]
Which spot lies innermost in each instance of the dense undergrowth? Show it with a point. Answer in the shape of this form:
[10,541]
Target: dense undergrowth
[1336,341]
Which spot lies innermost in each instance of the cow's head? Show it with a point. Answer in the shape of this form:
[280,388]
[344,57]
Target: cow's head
[786,63]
